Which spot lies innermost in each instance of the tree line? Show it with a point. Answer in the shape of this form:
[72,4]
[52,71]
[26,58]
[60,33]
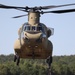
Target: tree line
[62,65]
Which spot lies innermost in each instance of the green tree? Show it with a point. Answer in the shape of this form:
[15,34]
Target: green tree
[4,70]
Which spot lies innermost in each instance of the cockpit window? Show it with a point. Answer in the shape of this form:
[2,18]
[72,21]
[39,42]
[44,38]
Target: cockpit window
[32,28]
[39,28]
[26,28]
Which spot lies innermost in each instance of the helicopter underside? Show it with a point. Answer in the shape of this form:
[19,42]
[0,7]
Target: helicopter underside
[37,50]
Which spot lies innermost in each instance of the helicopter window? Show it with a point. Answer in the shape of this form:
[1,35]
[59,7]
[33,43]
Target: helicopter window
[33,28]
[27,28]
[39,28]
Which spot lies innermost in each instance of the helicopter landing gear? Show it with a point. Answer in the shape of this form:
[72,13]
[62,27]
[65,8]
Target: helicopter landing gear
[49,72]
[49,61]
[17,59]
[33,55]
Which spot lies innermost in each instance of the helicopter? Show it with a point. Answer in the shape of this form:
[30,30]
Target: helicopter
[33,42]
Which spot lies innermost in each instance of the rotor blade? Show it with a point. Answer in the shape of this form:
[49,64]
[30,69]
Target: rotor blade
[19,16]
[10,7]
[14,7]
[60,11]
[55,6]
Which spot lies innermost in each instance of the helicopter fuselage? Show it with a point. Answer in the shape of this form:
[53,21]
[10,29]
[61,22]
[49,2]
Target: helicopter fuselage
[33,41]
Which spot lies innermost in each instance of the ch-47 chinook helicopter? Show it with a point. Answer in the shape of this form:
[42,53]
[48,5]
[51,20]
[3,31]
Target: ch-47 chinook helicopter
[33,40]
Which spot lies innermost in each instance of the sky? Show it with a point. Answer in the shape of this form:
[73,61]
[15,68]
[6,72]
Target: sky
[64,25]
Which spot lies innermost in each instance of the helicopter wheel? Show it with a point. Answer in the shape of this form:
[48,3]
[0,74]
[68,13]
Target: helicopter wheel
[17,59]
[49,61]
[49,72]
